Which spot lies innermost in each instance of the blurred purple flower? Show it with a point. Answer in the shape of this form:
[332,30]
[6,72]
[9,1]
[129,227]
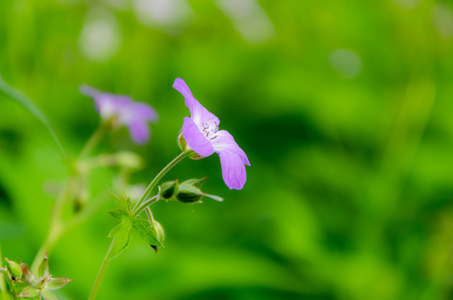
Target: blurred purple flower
[202,135]
[123,110]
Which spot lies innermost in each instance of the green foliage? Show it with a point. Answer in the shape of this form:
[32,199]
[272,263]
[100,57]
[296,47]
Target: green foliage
[146,231]
[121,235]
[350,191]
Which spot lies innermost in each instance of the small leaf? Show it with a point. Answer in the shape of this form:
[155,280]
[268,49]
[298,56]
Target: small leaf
[43,267]
[146,231]
[120,201]
[48,295]
[56,283]
[27,274]
[121,238]
[119,214]
[29,292]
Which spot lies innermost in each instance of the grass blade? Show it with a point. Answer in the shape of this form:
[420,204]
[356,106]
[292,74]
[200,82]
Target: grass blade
[20,97]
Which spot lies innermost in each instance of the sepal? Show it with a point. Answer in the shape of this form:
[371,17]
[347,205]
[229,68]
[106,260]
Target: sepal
[43,269]
[28,292]
[13,268]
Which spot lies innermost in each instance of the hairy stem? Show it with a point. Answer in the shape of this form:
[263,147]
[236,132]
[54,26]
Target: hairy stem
[144,205]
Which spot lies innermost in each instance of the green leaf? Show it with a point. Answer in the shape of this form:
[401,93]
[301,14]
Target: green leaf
[145,229]
[121,235]
[120,201]
[26,102]
[119,214]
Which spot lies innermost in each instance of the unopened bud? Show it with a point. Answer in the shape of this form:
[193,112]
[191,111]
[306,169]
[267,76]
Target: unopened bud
[168,189]
[13,268]
[160,234]
[43,267]
[188,193]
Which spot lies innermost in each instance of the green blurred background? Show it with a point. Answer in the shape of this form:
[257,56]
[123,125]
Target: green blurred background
[344,109]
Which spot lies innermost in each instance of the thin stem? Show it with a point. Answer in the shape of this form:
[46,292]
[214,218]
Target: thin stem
[94,139]
[101,273]
[56,226]
[149,213]
[157,178]
[144,205]
[2,281]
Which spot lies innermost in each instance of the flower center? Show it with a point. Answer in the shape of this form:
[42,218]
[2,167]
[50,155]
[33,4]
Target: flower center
[209,129]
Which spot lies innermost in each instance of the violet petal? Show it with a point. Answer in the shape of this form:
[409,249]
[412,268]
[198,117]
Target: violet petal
[195,138]
[225,141]
[139,131]
[233,170]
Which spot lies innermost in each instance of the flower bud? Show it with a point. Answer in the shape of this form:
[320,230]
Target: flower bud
[43,267]
[160,234]
[167,190]
[187,193]
[56,283]
[13,268]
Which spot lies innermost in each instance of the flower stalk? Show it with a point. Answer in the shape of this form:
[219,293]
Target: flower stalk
[156,179]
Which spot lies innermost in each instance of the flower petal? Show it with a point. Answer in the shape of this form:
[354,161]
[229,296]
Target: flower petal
[139,131]
[195,138]
[137,111]
[233,170]
[224,141]
[106,104]
[198,113]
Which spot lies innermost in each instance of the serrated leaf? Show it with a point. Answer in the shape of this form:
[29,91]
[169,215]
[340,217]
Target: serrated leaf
[120,201]
[129,204]
[121,235]
[118,214]
[146,231]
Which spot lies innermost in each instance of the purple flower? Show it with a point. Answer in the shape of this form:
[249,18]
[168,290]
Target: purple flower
[201,133]
[122,110]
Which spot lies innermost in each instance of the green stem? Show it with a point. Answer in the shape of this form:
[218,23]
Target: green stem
[56,226]
[156,180]
[101,273]
[94,139]
[145,204]
[2,281]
